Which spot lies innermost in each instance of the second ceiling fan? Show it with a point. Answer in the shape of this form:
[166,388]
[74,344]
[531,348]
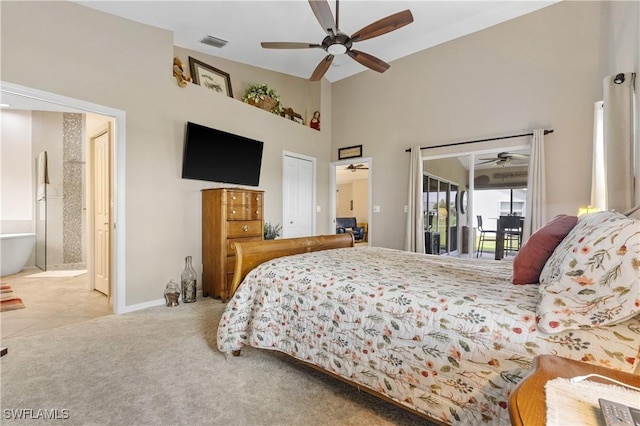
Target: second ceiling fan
[338,43]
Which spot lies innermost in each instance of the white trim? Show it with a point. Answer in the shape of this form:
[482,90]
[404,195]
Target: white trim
[118,267]
[313,161]
[141,306]
[332,188]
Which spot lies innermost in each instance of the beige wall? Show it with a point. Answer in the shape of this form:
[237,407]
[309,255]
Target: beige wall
[542,70]
[117,63]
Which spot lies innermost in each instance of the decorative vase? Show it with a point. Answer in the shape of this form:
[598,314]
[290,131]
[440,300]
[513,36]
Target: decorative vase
[189,282]
[172,294]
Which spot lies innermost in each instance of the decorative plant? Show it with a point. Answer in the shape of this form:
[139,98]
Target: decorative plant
[271,232]
[257,93]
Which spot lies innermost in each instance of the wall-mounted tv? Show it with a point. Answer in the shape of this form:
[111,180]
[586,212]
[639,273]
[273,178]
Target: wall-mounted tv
[217,156]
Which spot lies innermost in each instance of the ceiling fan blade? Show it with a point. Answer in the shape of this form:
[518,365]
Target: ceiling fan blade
[489,161]
[369,61]
[384,25]
[517,156]
[324,16]
[287,45]
[322,68]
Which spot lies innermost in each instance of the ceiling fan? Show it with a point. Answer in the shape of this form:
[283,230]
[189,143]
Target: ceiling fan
[356,167]
[504,158]
[338,43]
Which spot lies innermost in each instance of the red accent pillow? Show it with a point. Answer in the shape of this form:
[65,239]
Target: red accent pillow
[534,253]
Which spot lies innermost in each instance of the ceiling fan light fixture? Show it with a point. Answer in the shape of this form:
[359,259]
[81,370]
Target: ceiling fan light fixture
[337,49]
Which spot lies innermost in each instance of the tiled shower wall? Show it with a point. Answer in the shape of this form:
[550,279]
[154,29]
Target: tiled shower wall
[73,170]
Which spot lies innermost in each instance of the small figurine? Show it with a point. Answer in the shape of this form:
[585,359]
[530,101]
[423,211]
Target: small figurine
[315,121]
[178,72]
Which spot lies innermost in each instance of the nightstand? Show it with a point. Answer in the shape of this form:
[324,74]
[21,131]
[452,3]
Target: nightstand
[527,401]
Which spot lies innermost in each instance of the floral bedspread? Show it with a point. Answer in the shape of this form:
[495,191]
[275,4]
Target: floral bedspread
[444,336]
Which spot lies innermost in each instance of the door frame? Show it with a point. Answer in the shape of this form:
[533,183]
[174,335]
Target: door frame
[333,187]
[313,161]
[66,104]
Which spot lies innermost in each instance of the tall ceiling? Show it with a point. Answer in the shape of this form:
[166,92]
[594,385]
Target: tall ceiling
[244,24]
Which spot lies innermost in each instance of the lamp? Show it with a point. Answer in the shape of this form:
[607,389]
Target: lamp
[588,209]
[619,78]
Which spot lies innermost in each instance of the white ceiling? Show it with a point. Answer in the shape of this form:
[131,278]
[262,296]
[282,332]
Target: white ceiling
[244,24]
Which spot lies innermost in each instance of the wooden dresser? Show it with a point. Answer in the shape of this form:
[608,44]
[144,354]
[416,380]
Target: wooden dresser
[228,215]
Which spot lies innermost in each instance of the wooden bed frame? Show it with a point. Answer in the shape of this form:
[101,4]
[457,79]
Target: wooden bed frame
[251,254]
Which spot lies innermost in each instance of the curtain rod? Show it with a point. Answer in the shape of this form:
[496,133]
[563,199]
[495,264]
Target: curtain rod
[546,132]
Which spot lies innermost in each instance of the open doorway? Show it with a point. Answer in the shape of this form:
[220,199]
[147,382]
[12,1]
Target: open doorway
[28,99]
[351,200]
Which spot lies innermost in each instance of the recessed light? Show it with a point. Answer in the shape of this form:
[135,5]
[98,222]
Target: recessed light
[4,105]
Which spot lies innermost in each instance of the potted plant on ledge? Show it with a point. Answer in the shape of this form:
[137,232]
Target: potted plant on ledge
[263,96]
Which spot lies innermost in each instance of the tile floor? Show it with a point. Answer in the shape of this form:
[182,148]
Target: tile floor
[50,303]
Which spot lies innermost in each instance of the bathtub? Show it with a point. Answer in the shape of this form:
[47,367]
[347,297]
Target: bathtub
[15,250]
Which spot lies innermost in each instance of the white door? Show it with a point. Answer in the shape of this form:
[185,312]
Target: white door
[101,179]
[298,196]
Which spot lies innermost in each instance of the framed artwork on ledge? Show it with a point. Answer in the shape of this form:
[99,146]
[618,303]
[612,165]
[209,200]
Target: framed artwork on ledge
[210,77]
[350,152]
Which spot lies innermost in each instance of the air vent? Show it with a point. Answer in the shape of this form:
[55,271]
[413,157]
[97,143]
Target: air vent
[214,41]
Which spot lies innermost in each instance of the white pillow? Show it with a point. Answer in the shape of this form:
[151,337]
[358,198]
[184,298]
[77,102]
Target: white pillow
[593,277]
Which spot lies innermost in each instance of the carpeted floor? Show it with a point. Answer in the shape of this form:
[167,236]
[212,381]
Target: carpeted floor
[8,299]
[160,366]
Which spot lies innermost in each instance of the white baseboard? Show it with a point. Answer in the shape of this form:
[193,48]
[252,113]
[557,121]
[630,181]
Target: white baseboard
[151,304]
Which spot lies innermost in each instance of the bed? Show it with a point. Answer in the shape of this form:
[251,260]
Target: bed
[444,337]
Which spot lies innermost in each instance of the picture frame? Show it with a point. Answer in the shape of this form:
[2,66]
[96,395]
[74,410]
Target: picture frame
[290,114]
[350,152]
[210,77]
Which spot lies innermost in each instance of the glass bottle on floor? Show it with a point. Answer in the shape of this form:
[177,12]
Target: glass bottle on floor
[189,282]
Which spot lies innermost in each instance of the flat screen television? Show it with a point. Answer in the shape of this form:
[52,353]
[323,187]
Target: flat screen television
[217,156]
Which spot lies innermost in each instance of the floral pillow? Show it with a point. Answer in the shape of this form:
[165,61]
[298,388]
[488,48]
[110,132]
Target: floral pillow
[593,276]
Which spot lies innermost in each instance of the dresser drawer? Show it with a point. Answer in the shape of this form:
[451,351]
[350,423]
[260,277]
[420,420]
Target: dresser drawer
[244,212]
[231,251]
[241,198]
[246,228]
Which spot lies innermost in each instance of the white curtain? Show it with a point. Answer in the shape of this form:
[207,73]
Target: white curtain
[414,235]
[535,216]
[619,141]
[598,180]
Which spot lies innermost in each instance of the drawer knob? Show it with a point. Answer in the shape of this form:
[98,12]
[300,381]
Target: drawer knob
[233,197]
[257,211]
[245,228]
[233,212]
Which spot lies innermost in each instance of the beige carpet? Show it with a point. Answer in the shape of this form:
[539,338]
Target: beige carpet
[160,366]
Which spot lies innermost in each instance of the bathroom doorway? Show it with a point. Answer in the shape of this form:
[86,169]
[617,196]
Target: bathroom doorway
[28,99]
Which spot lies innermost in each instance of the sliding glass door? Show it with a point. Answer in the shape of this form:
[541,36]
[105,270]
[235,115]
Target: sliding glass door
[441,215]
